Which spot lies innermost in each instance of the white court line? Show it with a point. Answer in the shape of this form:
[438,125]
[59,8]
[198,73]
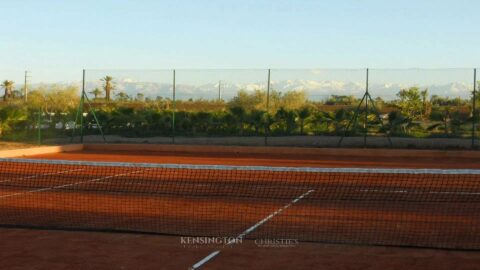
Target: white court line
[248,168]
[38,175]
[68,185]
[251,229]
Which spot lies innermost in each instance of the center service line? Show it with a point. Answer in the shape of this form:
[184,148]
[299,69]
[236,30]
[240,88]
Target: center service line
[249,230]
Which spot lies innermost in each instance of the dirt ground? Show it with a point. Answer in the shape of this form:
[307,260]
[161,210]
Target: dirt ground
[14,145]
[61,250]
[267,159]
[50,249]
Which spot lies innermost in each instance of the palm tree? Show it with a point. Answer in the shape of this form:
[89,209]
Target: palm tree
[335,121]
[303,114]
[399,124]
[8,86]
[427,108]
[96,92]
[201,122]
[238,114]
[108,86]
[256,120]
[286,120]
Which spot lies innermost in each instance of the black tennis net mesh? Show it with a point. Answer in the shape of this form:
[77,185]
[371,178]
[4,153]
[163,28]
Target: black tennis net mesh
[401,207]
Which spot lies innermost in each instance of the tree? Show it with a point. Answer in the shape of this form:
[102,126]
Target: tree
[399,124]
[122,96]
[140,97]
[96,92]
[293,100]
[442,117]
[410,103]
[238,114]
[330,122]
[8,86]
[201,122]
[16,94]
[286,120]
[426,105]
[53,99]
[11,115]
[256,120]
[341,100]
[451,121]
[255,100]
[108,86]
[303,114]
[396,123]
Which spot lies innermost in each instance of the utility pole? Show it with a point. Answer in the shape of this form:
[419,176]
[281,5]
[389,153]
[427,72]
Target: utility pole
[25,88]
[220,90]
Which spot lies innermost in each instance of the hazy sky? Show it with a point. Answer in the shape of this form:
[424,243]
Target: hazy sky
[62,37]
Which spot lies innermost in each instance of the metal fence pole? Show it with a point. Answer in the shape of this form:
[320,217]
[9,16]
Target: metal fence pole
[173,108]
[365,124]
[474,110]
[267,120]
[82,99]
[219,90]
[39,125]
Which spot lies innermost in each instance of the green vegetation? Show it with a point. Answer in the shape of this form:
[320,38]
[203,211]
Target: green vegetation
[8,86]
[49,108]
[52,109]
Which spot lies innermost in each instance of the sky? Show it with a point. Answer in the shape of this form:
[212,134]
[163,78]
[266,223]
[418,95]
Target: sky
[60,38]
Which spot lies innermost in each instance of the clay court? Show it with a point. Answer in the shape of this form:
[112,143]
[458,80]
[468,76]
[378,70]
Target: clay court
[129,210]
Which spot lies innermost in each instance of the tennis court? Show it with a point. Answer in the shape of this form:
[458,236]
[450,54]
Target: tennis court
[403,198]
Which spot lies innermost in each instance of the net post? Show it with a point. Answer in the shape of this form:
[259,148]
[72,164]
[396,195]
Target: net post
[267,117]
[474,110]
[173,108]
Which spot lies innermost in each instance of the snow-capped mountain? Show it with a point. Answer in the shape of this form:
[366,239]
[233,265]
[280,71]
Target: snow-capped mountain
[317,90]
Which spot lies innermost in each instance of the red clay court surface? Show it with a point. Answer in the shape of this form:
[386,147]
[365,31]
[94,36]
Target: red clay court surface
[267,159]
[160,252]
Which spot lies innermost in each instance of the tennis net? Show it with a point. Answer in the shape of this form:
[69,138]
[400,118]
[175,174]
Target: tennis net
[401,207]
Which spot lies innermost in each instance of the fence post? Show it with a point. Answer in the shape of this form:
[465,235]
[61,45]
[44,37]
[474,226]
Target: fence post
[365,124]
[219,90]
[267,120]
[81,107]
[39,125]
[474,110]
[173,109]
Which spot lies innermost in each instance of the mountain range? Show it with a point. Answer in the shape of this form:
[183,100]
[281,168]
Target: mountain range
[316,90]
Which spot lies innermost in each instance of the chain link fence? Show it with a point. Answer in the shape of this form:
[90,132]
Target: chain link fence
[403,108]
